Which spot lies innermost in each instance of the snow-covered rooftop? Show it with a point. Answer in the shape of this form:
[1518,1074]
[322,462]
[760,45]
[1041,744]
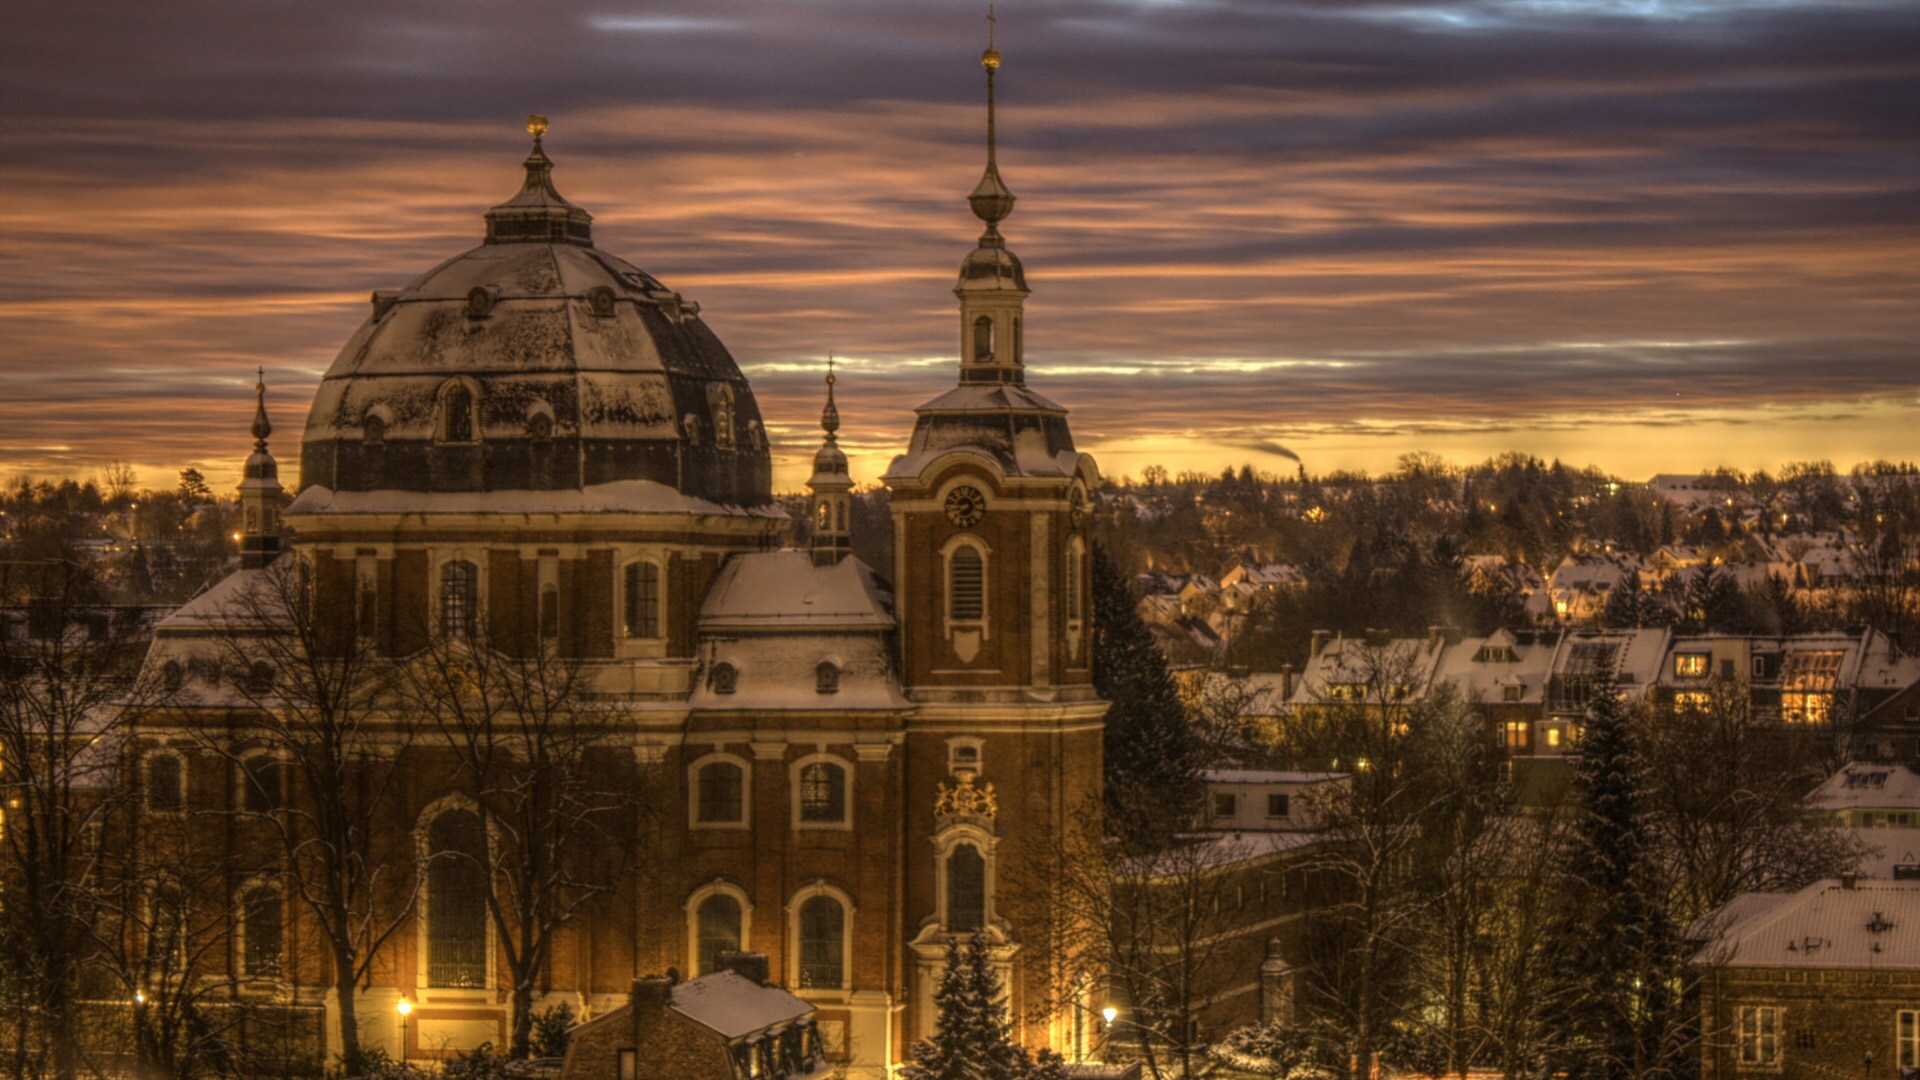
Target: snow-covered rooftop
[733,1006]
[1861,786]
[782,589]
[1873,925]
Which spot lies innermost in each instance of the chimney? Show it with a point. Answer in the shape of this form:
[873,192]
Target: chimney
[1320,639]
[1849,880]
[751,966]
[1286,682]
[649,1001]
[1379,639]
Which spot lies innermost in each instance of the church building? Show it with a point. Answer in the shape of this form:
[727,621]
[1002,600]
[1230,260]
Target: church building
[538,448]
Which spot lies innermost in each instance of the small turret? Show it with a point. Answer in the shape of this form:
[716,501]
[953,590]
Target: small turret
[993,285]
[832,488]
[260,491]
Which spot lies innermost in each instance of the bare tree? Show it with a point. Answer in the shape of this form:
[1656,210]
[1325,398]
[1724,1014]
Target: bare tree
[537,757]
[69,685]
[313,694]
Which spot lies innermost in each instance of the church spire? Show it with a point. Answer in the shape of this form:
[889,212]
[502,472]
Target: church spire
[260,489]
[993,285]
[832,487]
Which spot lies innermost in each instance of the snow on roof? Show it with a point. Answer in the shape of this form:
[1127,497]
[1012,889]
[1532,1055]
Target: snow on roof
[1887,848]
[735,1007]
[990,397]
[782,672]
[234,599]
[1226,849]
[1268,776]
[771,589]
[1860,786]
[1874,925]
[619,497]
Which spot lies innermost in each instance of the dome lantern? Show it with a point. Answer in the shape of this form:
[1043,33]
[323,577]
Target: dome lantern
[539,213]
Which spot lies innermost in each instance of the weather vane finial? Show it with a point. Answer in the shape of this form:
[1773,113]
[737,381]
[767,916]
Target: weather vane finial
[830,416]
[991,58]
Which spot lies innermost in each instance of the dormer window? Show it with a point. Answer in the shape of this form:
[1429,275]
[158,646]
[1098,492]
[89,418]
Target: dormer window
[373,430]
[726,678]
[826,677]
[456,413]
[720,400]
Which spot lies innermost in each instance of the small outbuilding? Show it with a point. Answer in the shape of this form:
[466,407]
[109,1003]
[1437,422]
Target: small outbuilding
[729,1025]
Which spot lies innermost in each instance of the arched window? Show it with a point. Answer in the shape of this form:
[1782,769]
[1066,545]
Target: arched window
[826,677]
[456,413]
[459,599]
[373,429]
[823,793]
[642,601]
[166,783]
[720,793]
[823,943]
[839,515]
[966,890]
[167,930]
[722,402]
[966,585]
[260,933]
[717,922]
[457,901]
[260,784]
[982,339]
[1073,582]
[1019,346]
[726,678]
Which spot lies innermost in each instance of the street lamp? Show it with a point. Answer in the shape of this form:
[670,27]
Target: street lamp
[403,1008]
[1107,1017]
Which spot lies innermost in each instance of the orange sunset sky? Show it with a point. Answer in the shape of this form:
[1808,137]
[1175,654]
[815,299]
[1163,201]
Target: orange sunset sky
[1649,236]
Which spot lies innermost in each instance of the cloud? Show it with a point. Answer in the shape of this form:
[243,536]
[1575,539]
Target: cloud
[1247,224]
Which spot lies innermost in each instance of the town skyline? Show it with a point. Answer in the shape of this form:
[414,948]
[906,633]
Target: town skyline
[1648,237]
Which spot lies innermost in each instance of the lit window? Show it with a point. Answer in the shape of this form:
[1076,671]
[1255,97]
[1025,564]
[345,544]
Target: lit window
[966,890]
[1553,737]
[823,792]
[642,600]
[1519,734]
[718,930]
[457,901]
[823,929]
[1759,1036]
[1690,665]
[966,585]
[1692,700]
[721,791]
[459,600]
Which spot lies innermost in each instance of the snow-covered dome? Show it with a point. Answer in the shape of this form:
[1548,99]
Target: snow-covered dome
[536,362]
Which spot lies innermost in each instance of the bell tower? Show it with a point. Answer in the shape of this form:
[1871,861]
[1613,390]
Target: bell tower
[260,490]
[831,486]
[1003,752]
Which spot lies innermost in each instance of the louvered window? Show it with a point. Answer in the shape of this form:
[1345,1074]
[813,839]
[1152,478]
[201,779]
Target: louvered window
[966,598]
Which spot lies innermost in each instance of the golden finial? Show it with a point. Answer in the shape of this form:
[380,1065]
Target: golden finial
[536,126]
[830,416]
[991,58]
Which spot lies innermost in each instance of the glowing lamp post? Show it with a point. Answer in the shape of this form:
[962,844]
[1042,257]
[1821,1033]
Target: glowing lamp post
[1107,1016]
[403,1008]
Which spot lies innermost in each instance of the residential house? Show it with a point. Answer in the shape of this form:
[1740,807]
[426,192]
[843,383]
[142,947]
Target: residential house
[728,1025]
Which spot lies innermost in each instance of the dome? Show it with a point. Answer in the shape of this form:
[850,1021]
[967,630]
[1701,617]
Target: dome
[536,362]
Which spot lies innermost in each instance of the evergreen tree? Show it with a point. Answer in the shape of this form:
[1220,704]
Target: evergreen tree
[1623,604]
[1150,746]
[971,1040]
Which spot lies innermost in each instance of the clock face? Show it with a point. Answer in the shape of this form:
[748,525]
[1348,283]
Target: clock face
[1076,507]
[966,506]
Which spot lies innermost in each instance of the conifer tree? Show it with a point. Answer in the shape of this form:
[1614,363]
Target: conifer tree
[970,1039]
[1150,746]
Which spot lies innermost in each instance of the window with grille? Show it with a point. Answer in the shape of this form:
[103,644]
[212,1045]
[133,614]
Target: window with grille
[823,933]
[823,792]
[459,600]
[1279,806]
[166,783]
[261,930]
[456,414]
[1906,1038]
[966,586]
[721,787]
[261,780]
[1690,665]
[643,600]
[1759,1033]
[718,919]
[966,890]
[457,901]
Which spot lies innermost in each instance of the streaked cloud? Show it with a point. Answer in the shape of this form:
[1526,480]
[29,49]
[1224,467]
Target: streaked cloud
[1604,230]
